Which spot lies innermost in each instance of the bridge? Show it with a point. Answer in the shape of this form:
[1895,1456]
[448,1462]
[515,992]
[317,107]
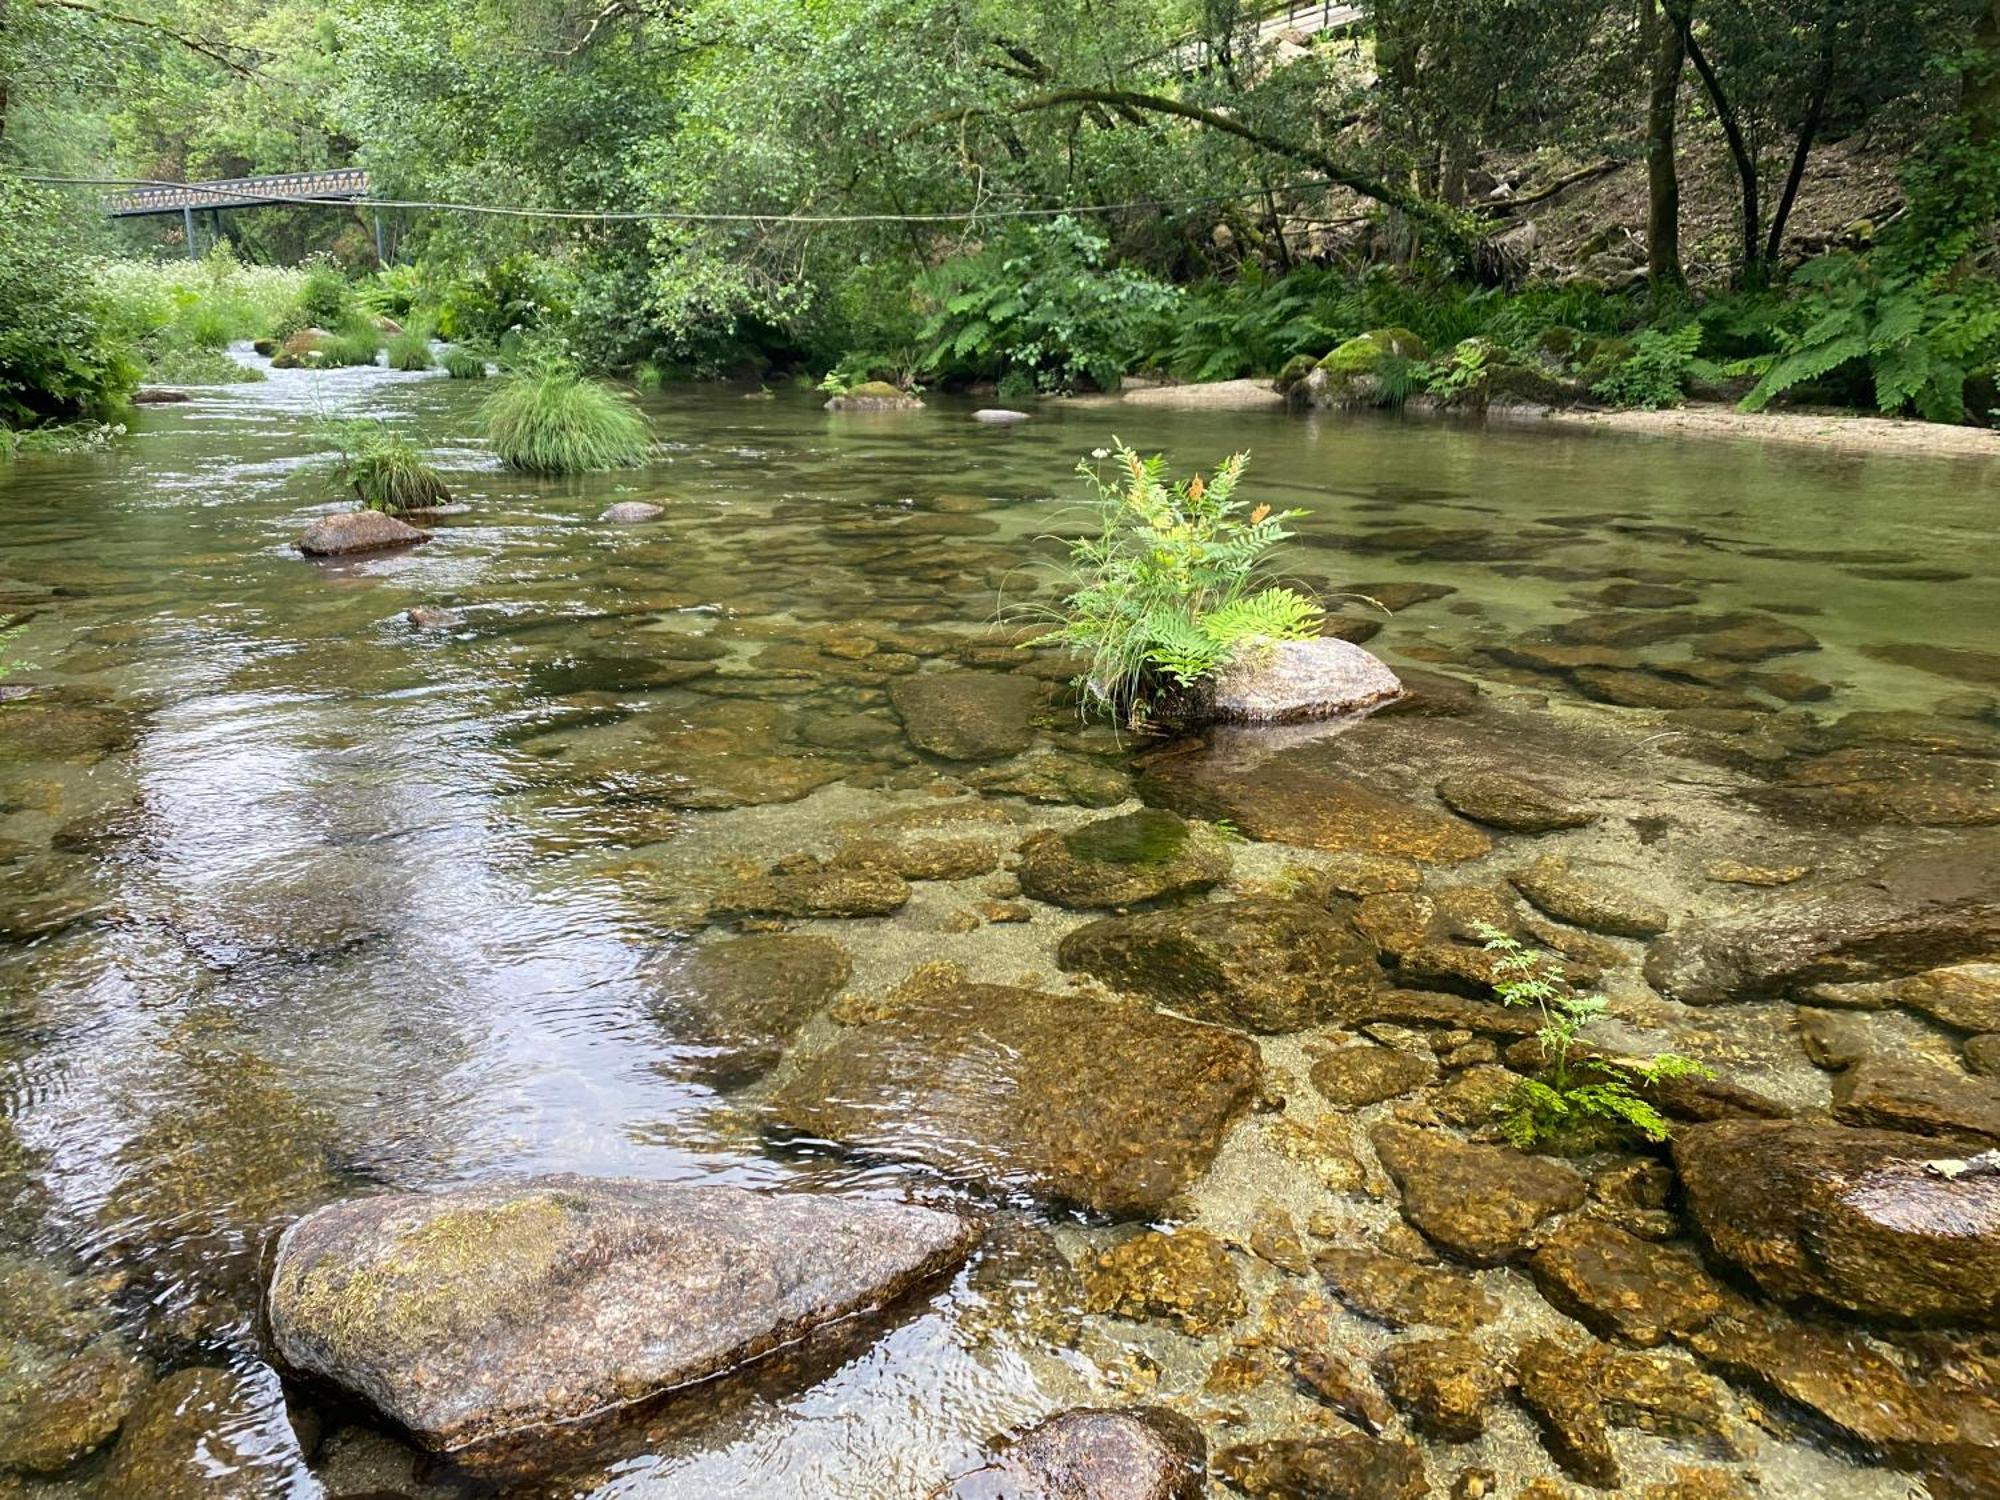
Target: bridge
[338,185]
[1300,19]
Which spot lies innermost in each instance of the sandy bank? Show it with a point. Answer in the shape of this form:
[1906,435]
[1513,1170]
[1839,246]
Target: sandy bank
[1837,432]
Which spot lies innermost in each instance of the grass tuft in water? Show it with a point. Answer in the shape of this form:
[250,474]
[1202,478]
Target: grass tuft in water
[463,364]
[410,350]
[349,348]
[547,418]
[384,469]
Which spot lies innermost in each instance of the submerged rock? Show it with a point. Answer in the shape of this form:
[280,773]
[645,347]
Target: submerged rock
[1403,1294]
[1620,1286]
[1185,1278]
[1122,861]
[816,891]
[1911,915]
[206,1434]
[1288,801]
[1355,1077]
[1350,1467]
[733,1007]
[1482,1204]
[479,1316]
[1264,965]
[358,531]
[967,715]
[632,512]
[66,1378]
[1853,1218]
[1285,682]
[1500,800]
[1600,902]
[1445,1385]
[1140,1453]
[1918,1096]
[1109,1107]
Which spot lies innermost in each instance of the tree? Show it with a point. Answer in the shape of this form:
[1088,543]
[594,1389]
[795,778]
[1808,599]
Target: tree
[1666,57]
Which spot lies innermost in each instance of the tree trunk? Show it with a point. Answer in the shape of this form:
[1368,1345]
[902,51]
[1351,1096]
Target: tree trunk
[1808,132]
[1979,95]
[1750,271]
[1666,57]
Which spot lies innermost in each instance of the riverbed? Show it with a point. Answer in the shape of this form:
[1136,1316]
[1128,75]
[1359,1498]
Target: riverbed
[301,900]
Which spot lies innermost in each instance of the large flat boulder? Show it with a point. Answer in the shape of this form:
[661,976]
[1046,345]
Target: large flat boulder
[1913,914]
[487,1314]
[1263,965]
[358,531]
[1112,1108]
[1853,1218]
[967,715]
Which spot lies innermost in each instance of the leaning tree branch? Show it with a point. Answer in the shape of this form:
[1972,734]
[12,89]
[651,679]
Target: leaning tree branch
[1451,232]
[1500,208]
[216,52]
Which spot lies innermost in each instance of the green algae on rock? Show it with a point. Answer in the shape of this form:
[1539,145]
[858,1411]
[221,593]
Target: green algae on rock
[1136,857]
[1111,1108]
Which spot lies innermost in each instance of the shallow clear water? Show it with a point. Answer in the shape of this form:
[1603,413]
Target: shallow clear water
[309,901]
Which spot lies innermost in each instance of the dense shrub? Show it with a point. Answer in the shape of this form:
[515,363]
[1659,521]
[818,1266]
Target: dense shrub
[546,418]
[1042,301]
[62,354]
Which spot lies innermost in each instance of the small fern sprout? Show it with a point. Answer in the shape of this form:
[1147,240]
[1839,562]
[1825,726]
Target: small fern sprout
[1572,1092]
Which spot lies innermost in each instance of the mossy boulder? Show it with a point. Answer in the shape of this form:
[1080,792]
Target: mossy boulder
[1351,374]
[1504,378]
[1296,369]
[485,1315]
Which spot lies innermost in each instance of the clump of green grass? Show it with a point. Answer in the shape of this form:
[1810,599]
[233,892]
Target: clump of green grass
[384,469]
[411,350]
[351,346]
[199,366]
[463,364]
[546,418]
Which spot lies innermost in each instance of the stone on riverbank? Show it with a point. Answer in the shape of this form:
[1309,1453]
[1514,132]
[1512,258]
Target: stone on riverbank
[1288,682]
[1965,996]
[1109,1107]
[478,1316]
[1263,965]
[352,531]
[1140,1453]
[967,715]
[1848,1217]
[1122,861]
[1919,1096]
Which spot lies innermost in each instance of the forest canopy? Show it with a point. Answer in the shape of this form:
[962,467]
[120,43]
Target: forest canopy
[1060,193]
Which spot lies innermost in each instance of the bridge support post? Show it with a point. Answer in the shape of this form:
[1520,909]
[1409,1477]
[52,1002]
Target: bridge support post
[187,224]
[380,258]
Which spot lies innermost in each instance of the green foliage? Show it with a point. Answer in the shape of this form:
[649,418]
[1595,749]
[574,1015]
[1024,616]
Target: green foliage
[325,299]
[1656,372]
[352,347]
[1573,1093]
[384,470]
[411,349]
[63,355]
[1041,301]
[461,363]
[1165,591]
[199,366]
[1913,339]
[546,418]
[514,294]
[1225,329]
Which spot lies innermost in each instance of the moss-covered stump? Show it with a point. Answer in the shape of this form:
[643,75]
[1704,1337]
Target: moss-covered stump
[1111,1108]
[477,1318]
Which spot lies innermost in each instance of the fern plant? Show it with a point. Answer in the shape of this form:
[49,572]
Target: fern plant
[1164,592]
[1572,1092]
[1913,337]
[1656,372]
